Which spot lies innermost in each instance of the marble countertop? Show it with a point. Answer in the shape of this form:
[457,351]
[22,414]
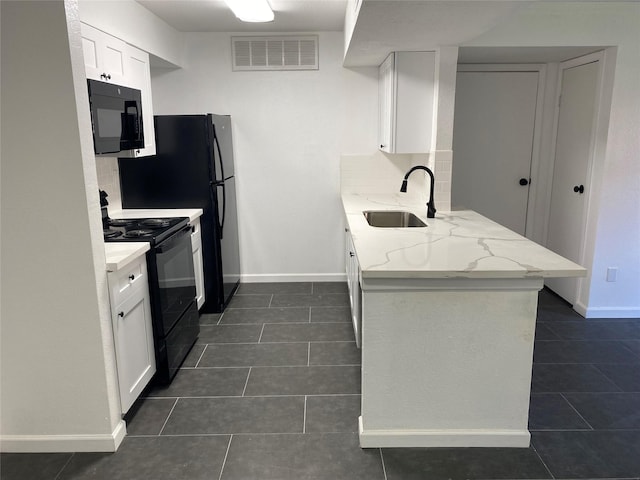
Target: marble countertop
[192,213]
[458,244]
[120,254]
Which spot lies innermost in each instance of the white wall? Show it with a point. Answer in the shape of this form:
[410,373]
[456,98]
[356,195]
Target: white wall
[290,128]
[59,388]
[614,219]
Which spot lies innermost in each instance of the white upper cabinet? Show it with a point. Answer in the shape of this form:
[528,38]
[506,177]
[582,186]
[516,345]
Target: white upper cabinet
[139,77]
[105,56]
[109,59]
[406,101]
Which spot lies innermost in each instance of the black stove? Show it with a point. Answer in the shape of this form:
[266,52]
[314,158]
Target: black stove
[152,230]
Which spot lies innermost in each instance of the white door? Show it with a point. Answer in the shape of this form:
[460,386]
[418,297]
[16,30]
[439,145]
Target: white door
[493,135]
[570,191]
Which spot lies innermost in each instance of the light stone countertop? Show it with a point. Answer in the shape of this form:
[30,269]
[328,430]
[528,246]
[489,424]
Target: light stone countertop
[458,244]
[192,213]
[120,254]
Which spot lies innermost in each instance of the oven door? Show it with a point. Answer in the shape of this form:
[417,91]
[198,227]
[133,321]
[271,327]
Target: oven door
[176,287]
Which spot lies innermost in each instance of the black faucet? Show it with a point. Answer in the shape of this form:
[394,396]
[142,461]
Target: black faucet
[431,208]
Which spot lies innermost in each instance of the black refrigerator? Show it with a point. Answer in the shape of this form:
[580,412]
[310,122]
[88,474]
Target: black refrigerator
[193,168]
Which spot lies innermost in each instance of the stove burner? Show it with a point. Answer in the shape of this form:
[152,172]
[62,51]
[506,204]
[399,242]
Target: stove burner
[109,233]
[155,222]
[120,222]
[138,233]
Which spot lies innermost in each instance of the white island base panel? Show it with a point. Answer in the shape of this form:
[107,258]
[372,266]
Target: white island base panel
[447,362]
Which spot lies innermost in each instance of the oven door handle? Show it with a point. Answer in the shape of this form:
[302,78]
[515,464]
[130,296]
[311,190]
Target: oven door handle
[171,241]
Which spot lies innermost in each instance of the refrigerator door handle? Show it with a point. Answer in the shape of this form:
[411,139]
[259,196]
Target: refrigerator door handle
[217,145]
[224,205]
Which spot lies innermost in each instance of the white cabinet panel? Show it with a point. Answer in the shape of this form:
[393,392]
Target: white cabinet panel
[353,283]
[406,102]
[198,266]
[132,330]
[104,56]
[140,78]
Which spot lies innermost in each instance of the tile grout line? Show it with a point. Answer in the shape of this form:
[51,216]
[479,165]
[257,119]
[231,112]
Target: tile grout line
[304,416]
[220,319]
[65,465]
[168,416]
[533,447]
[246,382]
[577,412]
[309,354]
[261,332]
[224,461]
[270,301]
[201,355]
[384,469]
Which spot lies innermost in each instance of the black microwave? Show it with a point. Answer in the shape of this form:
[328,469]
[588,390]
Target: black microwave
[116,117]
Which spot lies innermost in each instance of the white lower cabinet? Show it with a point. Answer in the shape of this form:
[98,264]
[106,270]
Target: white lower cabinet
[353,283]
[132,330]
[198,266]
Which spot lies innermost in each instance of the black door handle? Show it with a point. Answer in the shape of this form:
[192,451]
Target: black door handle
[578,189]
[524,181]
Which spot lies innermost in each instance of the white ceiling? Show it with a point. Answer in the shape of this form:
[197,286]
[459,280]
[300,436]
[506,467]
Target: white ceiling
[215,16]
[383,26]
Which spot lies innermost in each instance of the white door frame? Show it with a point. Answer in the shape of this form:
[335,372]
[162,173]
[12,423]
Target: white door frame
[535,173]
[594,170]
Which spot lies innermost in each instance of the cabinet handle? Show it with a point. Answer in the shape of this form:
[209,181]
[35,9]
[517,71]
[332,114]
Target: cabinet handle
[106,76]
[578,189]
[121,314]
[132,277]
[381,146]
[351,254]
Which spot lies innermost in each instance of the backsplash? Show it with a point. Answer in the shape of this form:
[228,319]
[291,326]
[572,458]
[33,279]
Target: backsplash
[383,173]
[109,181]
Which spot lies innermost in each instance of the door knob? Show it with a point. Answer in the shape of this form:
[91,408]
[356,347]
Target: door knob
[578,189]
[524,181]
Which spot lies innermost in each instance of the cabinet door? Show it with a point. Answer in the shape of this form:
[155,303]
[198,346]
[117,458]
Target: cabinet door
[414,91]
[198,266]
[386,106]
[133,338]
[104,56]
[353,283]
[406,82]
[138,73]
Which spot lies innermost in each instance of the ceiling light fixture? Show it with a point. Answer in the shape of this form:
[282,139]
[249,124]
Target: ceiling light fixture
[251,10]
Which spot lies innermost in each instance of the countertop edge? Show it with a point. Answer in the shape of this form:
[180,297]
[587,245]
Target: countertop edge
[119,254]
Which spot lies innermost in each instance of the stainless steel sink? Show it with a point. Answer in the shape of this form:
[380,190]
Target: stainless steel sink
[392,219]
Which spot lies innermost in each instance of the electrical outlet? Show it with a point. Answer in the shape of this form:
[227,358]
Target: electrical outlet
[612,273]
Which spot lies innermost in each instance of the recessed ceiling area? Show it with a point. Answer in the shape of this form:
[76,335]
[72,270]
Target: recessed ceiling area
[215,16]
[485,55]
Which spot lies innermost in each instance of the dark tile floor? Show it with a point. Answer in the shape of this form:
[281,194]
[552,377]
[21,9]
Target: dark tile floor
[271,391]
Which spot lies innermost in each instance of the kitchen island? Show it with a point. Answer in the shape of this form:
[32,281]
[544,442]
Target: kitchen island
[447,318]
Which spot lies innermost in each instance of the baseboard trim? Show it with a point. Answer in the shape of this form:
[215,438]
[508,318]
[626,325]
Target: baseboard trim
[443,438]
[607,312]
[64,443]
[293,277]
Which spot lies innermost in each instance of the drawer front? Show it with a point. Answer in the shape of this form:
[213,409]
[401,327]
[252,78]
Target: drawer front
[127,280]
